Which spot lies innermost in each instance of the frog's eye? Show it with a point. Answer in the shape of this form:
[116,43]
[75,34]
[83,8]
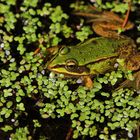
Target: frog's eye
[71,65]
[64,50]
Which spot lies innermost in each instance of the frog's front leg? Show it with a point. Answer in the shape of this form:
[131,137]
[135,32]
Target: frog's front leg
[87,81]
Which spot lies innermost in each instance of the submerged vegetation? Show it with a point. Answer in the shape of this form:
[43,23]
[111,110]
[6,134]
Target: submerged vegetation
[35,102]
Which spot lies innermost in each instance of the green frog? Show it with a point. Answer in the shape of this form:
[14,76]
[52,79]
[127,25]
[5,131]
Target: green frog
[97,55]
[94,56]
[106,23]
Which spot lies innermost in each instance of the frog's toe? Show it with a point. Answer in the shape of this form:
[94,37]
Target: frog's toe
[88,82]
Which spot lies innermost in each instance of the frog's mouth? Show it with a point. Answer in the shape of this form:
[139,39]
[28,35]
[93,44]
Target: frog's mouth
[70,71]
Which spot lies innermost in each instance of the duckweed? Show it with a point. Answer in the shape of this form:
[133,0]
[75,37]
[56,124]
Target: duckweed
[29,92]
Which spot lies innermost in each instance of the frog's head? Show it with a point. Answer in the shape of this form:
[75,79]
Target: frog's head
[65,62]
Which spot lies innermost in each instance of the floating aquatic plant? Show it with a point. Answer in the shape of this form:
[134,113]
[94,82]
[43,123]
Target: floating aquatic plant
[26,87]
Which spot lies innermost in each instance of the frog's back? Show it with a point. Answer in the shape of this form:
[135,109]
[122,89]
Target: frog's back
[97,48]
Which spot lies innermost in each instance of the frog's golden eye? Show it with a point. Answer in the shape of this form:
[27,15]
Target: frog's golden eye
[64,50]
[71,65]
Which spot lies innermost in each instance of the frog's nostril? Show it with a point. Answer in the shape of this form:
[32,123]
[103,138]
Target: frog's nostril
[64,50]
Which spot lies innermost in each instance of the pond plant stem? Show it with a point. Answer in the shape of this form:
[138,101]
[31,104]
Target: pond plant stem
[69,134]
[127,15]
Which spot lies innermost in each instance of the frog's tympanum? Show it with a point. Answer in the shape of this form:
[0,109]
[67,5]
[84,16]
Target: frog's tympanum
[105,23]
[94,56]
